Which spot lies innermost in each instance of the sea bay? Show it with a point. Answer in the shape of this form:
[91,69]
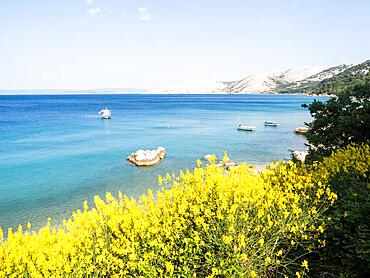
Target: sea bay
[55,151]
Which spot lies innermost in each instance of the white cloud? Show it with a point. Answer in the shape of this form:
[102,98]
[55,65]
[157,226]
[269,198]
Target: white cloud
[144,14]
[93,11]
[88,2]
[124,13]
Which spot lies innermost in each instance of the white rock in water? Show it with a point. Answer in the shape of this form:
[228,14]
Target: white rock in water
[147,157]
[161,152]
[140,157]
[151,155]
[140,152]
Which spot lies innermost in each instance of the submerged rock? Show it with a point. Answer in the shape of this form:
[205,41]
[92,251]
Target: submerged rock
[147,157]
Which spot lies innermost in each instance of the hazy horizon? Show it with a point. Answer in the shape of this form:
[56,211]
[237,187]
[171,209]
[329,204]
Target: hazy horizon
[89,45]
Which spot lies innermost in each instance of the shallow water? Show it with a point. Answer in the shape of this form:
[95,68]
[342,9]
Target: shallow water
[56,152]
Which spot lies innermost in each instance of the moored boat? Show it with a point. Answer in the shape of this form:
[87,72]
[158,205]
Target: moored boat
[271,124]
[301,130]
[246,127]
[105,113]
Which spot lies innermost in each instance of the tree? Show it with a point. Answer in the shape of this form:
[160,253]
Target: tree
[337,123]
[342,120]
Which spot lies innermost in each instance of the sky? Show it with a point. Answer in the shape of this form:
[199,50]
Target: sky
[86,44]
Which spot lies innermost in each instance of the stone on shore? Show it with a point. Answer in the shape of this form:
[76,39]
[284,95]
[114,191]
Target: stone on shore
[300,155]
[147,157]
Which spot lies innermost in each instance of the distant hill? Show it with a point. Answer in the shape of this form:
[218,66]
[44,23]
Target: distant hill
[268,83]
[304,85]
[332,80]
[253,84]
[300,80]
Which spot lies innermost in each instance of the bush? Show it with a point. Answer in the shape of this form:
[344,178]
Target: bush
[340,121]
[206,223]
[347,252]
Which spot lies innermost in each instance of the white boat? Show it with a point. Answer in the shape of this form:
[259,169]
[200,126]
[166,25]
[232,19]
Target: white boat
[271,124]
[301,130]
[105,113]
[246,127]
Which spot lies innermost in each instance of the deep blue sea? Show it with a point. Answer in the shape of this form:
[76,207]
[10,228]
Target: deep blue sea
[55,151]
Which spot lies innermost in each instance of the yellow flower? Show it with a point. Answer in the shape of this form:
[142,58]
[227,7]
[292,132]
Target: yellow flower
[215,271]
[253,274]
[169,267]
[227,239]
[267,261]
[225,157]
[243,257]
[305,264]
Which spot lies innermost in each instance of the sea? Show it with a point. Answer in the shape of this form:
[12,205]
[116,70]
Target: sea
[56,152]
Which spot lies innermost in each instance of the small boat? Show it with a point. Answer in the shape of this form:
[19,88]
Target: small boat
[301,130]
[271,124]
[105,113]
[246,127]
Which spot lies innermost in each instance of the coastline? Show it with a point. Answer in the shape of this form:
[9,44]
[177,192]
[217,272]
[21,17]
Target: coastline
[66,130]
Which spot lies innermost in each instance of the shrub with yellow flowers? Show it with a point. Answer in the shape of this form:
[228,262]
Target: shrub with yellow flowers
[347,252]
[205,223]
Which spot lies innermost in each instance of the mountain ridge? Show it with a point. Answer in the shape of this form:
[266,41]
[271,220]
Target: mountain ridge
[299,80]
[310,80]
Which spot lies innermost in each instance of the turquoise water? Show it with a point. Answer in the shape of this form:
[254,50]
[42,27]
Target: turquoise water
[56,152]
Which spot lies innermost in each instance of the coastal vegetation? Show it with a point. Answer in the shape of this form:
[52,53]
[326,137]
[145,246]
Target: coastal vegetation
[347,252]
[205,223]
[338,123]
[341,120]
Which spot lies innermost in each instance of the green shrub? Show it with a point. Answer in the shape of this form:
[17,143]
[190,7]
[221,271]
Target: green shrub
[347,252]
[340,121]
